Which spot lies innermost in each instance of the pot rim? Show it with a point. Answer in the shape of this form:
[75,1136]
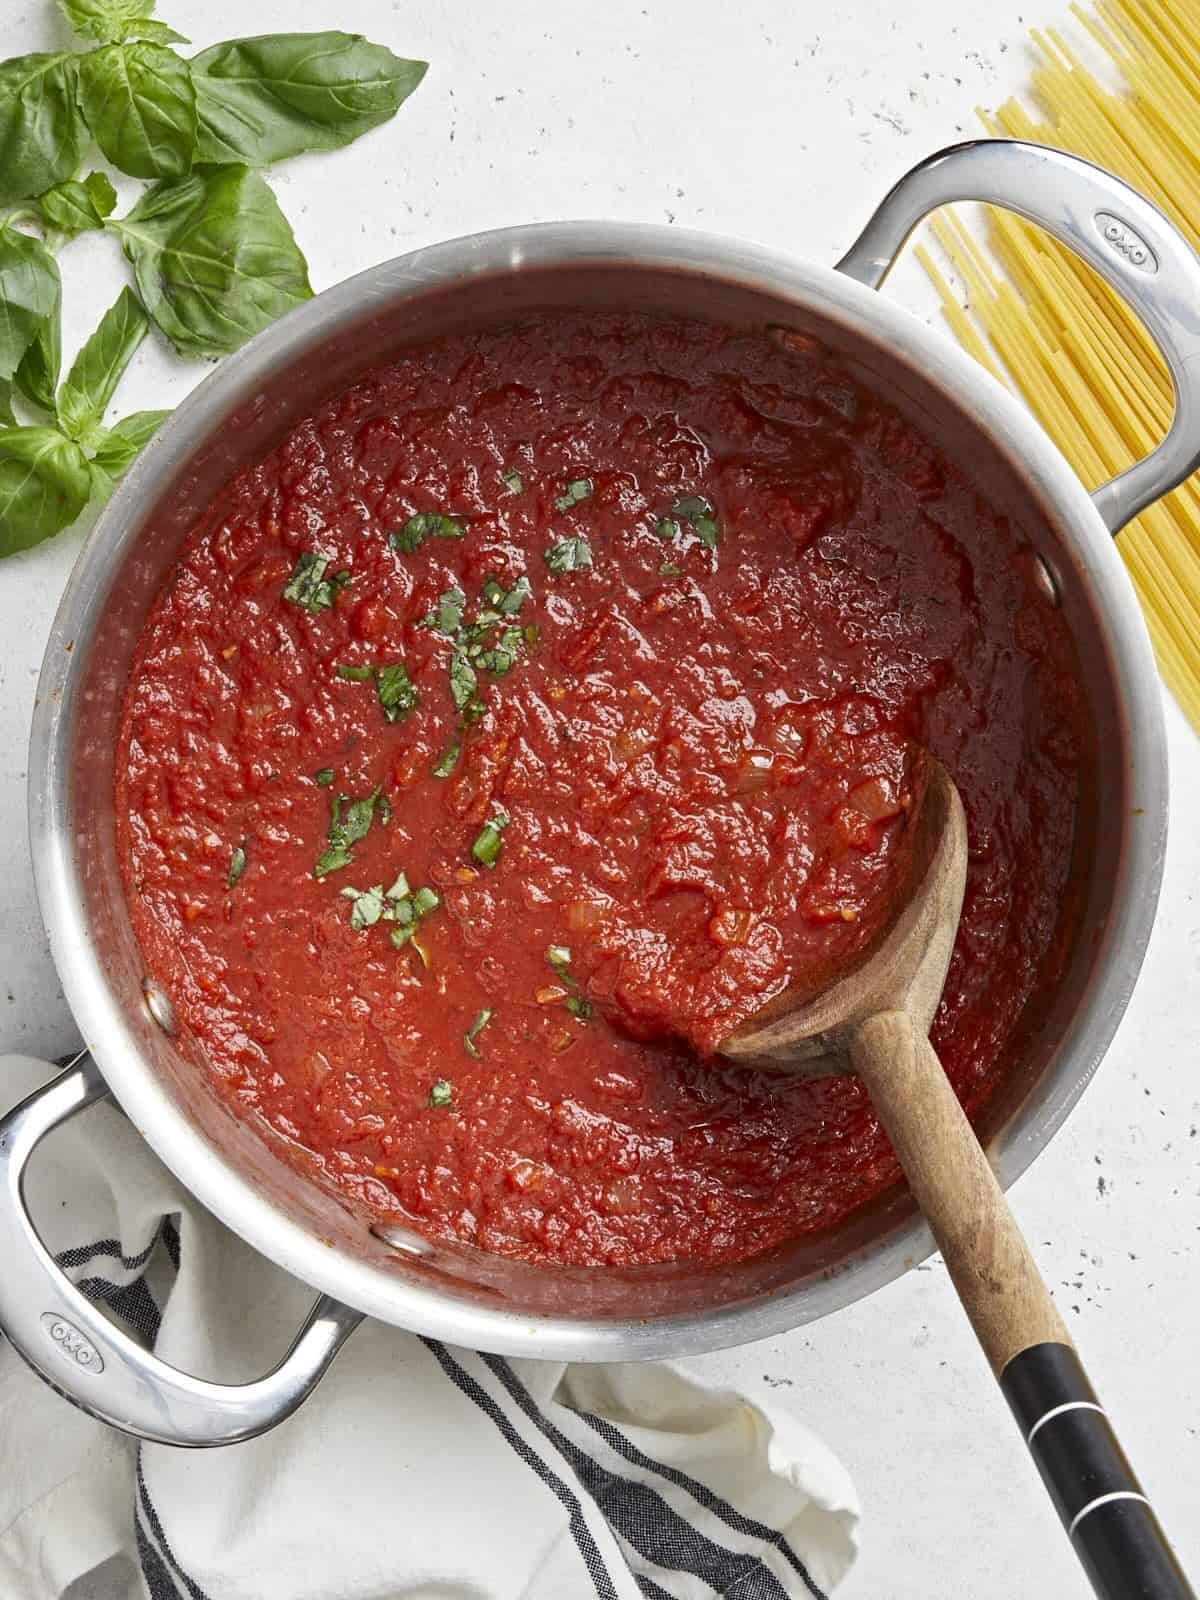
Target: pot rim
[215,1182]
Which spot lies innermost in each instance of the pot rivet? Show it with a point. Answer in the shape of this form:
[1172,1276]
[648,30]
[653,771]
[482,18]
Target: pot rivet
[1044,580]
[158,1004]
[411,1244]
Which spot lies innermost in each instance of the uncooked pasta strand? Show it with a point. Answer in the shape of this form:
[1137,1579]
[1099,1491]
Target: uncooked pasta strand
[1039,319]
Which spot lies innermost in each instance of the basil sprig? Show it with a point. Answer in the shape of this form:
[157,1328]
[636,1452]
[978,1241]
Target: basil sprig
[263,100]
[213,256]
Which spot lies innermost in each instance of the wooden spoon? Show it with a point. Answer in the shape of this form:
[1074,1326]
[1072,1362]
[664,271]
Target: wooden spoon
[874,1019]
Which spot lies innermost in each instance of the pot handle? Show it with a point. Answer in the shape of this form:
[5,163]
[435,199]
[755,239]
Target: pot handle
[71,1343]
[1136,249]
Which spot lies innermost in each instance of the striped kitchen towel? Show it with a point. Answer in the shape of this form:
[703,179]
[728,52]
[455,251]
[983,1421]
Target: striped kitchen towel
[416,1471]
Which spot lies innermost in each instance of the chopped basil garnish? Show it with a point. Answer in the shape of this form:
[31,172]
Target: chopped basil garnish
[670,570]
[449,760]
[559,958]
[666,528]
[397,693]
[481,1021]
[425,525]
[308,586]
[471,650]
[345,831]
[367,908]
[324,778]
[237,865]
[698,513]
[424,901]
[506,601]
[398,905]
[502,656]
[441,1093]
[513,481]
[487,846]
[447,616]
[569,555]
[578,489]
[462,680]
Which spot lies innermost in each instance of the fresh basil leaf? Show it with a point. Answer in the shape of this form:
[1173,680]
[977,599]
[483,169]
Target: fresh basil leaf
[578,489]
[119,446]
[97,369]
[355,674]
[139,103]
[670,570]
[425,525]
[324,777]
[157,32]
[42,134]
[30,292]
[214,258]
[76,206]
[569,555]
[108,21]
[309,588]
[462,680]
[237,865]
[441,1093]
[6,410]
[37,375]
[396,690]
[513,481]
[447,616]
[448,760]
[263,99]
[486,848]
[666,528]
[482,1018]
[44,485]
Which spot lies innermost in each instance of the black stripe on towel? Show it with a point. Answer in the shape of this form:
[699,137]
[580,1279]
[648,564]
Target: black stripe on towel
[652,1590]
[703,1495]
[644,1519]
[80,1255]
[582,1534]
[131,1301]
[154,1569]
[156,1528]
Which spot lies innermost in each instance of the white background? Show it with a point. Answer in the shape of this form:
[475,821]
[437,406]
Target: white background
[780,121]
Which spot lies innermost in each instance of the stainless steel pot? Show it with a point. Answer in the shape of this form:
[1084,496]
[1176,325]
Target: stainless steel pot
[455,1292]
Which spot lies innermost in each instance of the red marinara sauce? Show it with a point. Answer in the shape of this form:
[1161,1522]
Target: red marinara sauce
[589,732]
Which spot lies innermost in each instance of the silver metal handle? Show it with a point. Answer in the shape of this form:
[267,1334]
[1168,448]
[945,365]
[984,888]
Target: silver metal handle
[1128,241]
[87,1358]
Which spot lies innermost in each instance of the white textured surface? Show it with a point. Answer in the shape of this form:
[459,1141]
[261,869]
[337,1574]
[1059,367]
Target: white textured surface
[782,121]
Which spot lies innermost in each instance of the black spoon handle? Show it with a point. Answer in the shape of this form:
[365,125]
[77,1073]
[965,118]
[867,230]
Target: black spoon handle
[1107,1517]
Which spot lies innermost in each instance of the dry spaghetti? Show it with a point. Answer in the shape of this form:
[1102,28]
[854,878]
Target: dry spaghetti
[1042,321]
